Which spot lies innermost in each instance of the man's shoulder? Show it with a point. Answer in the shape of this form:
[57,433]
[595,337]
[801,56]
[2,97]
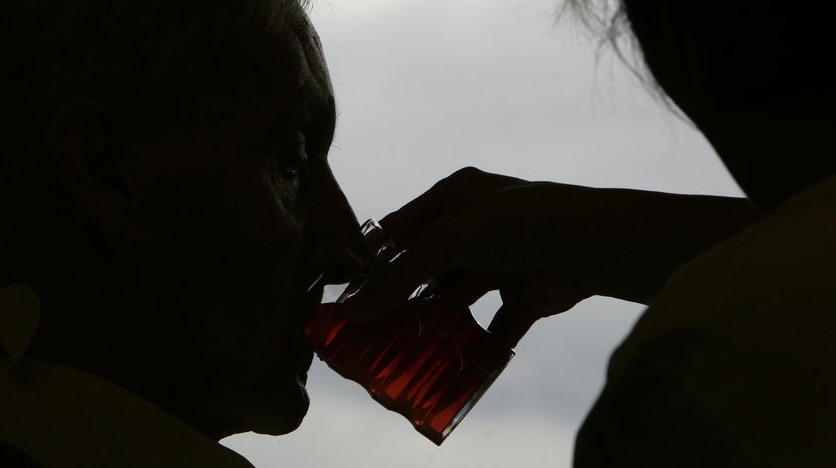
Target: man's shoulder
[59,416]
[13,457]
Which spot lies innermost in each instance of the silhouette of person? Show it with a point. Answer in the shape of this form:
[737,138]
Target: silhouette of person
[166,202]
[732,362]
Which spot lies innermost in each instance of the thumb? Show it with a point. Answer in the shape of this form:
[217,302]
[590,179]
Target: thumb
[510,325]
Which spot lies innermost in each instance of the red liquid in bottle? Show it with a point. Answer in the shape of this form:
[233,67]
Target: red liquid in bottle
[430,362]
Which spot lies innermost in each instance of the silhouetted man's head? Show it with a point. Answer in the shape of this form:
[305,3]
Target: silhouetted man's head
[756,76]
[165,190]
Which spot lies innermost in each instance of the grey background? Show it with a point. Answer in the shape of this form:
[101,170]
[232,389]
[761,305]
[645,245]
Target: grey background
[425,87]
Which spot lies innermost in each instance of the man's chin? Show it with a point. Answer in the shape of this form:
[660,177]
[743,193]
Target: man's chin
[277,417]
[282,420]
[279,403]
[275,405]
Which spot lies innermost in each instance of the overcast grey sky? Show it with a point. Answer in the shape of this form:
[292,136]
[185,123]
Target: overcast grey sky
[425,87]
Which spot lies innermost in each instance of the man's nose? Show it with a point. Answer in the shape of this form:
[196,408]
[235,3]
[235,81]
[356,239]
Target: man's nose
[335,233]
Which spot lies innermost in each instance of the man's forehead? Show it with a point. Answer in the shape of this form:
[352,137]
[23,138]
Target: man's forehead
[269,63]
[281,79]
[307,40]
[291,52]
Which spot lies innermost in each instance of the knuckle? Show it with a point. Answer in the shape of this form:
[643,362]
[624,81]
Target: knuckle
[466,174]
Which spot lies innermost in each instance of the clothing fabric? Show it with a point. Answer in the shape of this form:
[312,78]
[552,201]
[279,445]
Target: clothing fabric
[56,416]
[732,364]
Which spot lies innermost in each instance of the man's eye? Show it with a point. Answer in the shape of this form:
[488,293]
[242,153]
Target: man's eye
[290,171]
[292,165]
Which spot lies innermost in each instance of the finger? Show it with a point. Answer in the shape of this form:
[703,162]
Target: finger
[447,197]
[529,297]
[510,325]
[390,285]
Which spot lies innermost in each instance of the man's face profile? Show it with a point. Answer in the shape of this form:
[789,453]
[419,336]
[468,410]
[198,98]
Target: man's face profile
[180,253]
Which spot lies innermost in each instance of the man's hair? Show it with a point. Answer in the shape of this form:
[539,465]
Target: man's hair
[753,52]
[146,57]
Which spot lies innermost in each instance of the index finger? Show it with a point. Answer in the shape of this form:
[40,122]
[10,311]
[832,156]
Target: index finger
[447,197]
[390,284]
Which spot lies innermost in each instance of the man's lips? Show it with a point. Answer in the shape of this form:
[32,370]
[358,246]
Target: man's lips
[306,311]
[305,350]
[300,346]
[300,342]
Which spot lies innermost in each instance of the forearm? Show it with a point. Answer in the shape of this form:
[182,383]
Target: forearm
[630,241]
[546,245]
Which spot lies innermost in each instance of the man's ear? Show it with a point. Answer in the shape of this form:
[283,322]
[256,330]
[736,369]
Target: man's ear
[90,164]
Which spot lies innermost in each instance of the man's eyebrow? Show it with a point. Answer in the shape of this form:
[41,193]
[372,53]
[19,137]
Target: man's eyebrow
[294,110]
